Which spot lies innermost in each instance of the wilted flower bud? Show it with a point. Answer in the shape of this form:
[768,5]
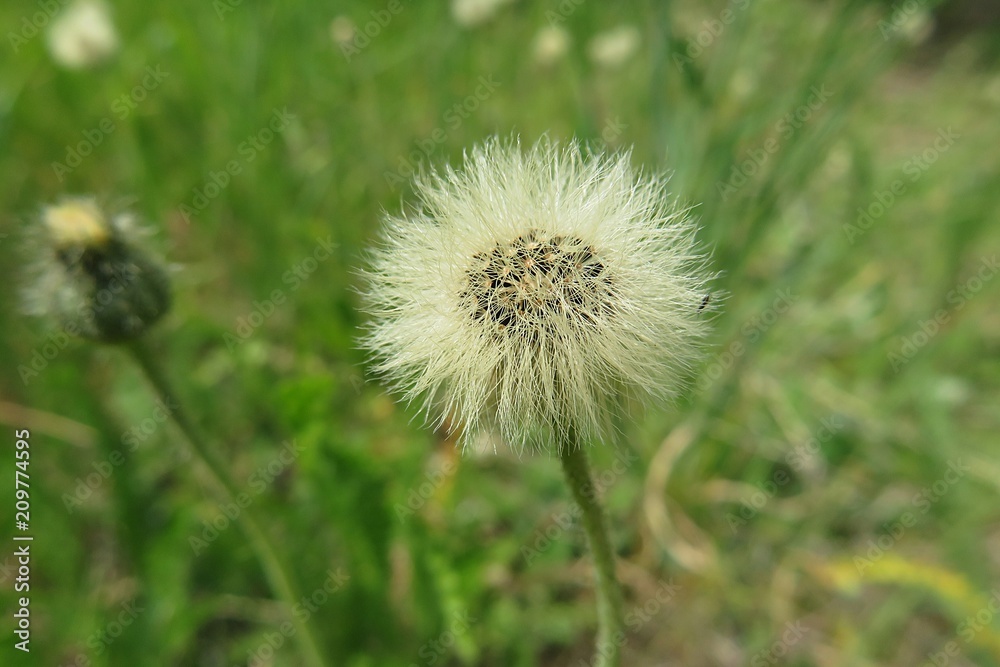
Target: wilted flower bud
[93,278]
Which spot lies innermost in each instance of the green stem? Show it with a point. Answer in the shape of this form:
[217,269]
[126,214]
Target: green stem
[277,573]
[610,630]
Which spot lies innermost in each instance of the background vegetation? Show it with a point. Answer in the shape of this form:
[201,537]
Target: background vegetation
[795,507]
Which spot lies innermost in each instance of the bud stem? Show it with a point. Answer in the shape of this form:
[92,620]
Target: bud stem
[610,630]
[275,570]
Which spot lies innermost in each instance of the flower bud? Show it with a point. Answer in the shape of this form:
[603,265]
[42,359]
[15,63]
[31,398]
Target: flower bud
[93,278]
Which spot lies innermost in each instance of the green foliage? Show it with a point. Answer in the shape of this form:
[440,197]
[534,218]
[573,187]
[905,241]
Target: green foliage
[855,356]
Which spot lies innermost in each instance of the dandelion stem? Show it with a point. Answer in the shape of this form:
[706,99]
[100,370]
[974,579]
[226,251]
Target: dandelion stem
[610,631]
[276,572]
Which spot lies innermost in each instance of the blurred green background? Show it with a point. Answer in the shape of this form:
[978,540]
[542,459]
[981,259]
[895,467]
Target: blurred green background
[824,494]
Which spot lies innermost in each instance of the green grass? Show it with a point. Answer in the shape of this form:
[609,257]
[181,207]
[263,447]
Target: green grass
[483,570]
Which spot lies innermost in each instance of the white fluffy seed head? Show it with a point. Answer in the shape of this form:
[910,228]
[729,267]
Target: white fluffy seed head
[533,291]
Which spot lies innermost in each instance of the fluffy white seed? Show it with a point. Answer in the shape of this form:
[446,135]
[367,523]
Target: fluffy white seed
[533,290]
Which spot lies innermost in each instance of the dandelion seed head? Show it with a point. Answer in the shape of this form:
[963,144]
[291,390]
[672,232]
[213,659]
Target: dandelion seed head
[534,291]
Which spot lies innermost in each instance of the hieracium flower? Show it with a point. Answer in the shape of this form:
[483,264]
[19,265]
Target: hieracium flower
[92,278]
[533,291]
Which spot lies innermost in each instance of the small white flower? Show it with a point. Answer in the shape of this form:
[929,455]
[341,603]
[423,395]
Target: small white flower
[343,31]
[551,44]
[614,47]
[532,290]
[470,13]
[83,35]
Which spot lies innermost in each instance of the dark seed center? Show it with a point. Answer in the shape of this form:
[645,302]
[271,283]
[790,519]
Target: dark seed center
[526,283]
